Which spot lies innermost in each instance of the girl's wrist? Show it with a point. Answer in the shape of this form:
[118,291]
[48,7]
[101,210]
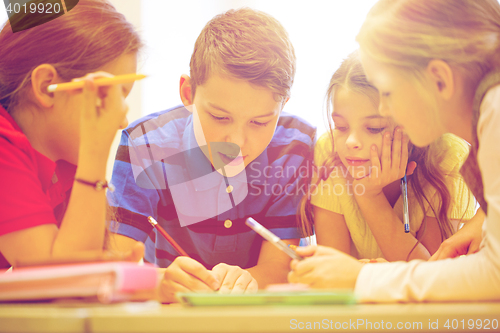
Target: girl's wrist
[91,167]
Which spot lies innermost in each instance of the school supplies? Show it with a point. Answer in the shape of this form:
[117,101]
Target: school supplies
[404,194]
[104,81]
[105,281]
[272,238]
[167,236]
[309,297]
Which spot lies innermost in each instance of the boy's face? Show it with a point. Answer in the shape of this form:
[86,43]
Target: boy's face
[236,112]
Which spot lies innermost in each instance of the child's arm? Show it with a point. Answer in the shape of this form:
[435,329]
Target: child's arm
[331,230]
[83,225]
[465,241]
[389,233]
[385,225]
[273,264]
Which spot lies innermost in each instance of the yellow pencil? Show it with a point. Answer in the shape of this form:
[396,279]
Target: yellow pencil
[104,81]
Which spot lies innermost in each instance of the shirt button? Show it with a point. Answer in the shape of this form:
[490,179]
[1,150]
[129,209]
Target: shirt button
[228,223]
[229,189]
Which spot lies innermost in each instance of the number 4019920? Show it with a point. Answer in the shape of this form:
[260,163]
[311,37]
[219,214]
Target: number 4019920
[41,8]
[471,324]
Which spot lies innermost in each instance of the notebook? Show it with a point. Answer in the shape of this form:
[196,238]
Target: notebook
[308,297]
[105,281]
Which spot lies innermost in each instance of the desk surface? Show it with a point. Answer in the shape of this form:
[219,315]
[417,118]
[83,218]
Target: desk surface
[153,317]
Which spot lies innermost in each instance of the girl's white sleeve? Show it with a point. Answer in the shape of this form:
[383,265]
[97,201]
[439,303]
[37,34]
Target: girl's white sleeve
[474,277]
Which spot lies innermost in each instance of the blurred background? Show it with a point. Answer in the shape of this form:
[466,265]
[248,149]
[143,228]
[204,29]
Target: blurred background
[322,31]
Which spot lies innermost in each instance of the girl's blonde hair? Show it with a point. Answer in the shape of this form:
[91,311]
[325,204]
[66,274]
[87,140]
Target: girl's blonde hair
[410,33]
[350,75]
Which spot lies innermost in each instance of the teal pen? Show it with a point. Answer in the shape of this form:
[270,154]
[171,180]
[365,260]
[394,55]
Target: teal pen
[404,194]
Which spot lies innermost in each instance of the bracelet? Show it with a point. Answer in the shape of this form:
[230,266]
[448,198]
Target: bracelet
[98,185]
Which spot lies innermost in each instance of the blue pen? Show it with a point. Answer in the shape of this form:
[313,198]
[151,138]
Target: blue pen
[404,194]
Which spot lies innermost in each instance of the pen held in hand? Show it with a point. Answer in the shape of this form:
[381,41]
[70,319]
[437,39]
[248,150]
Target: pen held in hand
[167,237]
[103,81]
[272,238]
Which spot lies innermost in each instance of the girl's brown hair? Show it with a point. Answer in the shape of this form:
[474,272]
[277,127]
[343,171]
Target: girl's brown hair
[90,35]
[350,75]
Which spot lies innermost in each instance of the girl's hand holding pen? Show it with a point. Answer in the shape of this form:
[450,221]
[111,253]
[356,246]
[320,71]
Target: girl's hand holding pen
[324,267]
[103,111]
[390,167]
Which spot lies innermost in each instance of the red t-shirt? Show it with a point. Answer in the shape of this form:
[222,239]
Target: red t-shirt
[34,190]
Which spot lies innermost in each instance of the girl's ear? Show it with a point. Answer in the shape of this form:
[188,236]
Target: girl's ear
[441,76]
[185,90]
[41,78]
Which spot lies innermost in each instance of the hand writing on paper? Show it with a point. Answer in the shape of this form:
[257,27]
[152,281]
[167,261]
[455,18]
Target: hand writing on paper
[183,275]
[390,167]
[324,267]
[234,280]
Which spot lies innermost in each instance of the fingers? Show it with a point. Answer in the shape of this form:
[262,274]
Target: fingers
[234,280]
[168,289]
[411,168]
[397,155]
[191,274]
[445,251]
[376,167]
[306,251]
[386,152]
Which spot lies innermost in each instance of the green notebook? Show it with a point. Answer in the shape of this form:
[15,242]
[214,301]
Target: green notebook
[268,297]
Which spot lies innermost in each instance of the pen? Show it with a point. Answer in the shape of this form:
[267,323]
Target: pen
[103,81]
[272,238]
[167,236]
[404,194]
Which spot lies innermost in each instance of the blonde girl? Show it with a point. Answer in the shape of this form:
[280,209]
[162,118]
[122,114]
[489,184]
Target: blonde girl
[354,209]
[435,64]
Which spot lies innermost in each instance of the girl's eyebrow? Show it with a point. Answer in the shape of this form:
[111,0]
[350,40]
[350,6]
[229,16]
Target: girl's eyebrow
[375,116]
[336,115]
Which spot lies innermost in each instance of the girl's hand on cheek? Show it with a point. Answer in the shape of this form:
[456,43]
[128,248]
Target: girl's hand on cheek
[390,167]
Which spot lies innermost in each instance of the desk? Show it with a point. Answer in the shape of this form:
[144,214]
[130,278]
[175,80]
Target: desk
[153,317]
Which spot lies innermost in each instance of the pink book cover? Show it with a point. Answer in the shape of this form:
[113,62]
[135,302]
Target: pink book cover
[106,281]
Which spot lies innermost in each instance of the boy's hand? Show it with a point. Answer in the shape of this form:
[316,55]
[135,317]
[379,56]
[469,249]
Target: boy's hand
[183,275]
[392,165]
[324,267]
[234,280]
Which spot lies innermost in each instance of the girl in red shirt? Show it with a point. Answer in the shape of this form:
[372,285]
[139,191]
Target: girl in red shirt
[54,146]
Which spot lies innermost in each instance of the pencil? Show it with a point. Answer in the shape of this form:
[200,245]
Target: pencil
[103,81]
[167,236]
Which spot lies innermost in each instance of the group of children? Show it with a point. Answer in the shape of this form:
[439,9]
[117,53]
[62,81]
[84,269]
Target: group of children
[397,108]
